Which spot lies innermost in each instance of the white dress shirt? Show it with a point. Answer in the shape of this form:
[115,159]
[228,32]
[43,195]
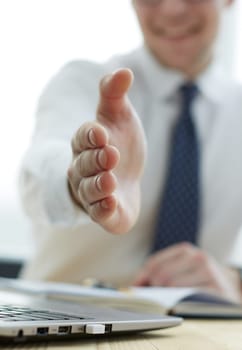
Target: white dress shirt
[69,246]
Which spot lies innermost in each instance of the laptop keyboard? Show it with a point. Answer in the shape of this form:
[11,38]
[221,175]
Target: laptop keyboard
[10,313]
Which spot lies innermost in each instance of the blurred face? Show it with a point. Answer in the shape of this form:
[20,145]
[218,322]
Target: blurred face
[181,33]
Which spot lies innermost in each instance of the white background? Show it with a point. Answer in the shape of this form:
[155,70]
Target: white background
[39,36]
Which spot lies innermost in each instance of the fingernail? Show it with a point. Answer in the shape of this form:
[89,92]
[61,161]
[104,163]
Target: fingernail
[91,137]
[102,158]
[98,183]
[104,204]
[123,70]
[106,79]
[116,71]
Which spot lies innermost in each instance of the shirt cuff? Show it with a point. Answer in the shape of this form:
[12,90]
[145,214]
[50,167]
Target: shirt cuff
[45,184]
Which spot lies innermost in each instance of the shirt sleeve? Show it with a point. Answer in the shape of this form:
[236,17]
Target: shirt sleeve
[68,100]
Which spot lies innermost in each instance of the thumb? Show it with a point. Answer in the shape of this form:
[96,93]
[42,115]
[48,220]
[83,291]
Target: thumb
[113,102]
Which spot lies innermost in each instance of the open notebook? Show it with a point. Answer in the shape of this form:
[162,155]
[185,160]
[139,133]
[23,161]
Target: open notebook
[184,302]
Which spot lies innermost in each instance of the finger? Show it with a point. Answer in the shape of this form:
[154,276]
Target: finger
[96,188]
[103,210]
[113,102]
[164,274]
[189,278]
[156,269]
[195,265]
[92,162]
[89,136]
[168,255]
[160,274]
[141,280]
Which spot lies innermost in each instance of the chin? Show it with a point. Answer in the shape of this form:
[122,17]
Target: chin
[179,55]
[179,64]
[181,61]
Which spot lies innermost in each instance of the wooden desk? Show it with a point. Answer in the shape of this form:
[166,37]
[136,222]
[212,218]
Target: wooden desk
[191,335]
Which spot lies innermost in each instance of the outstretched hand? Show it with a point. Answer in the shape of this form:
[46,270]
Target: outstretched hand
[108,158]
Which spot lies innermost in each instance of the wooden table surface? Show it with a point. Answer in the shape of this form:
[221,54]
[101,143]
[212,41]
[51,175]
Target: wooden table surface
[191,335]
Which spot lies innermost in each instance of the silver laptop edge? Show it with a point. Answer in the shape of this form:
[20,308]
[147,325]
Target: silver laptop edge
[24,318]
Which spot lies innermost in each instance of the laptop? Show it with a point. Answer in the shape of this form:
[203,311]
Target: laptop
[26,318]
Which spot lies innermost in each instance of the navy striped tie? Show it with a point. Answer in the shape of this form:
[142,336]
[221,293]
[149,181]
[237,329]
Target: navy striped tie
[178,216]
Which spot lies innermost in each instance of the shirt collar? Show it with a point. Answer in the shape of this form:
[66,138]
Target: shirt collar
[164,82]
[213,82]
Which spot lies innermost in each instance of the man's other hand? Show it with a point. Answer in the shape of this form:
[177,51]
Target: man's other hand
[184,265]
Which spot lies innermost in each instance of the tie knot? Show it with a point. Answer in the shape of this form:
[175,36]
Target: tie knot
[188,93]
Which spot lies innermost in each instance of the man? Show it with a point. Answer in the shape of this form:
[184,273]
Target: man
[74,199]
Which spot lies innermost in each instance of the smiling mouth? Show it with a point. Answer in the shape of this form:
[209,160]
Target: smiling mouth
[176,35]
